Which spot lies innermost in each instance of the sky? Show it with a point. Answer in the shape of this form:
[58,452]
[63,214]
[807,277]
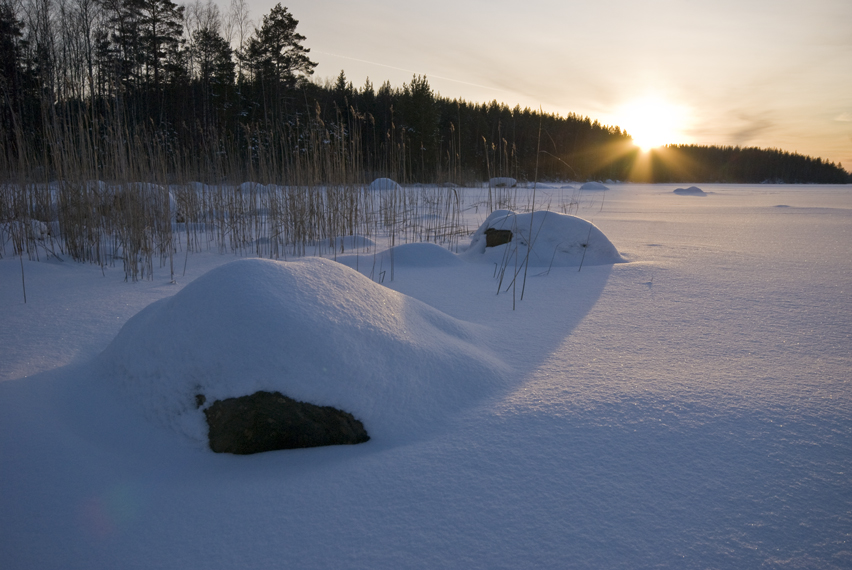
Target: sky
[767,73]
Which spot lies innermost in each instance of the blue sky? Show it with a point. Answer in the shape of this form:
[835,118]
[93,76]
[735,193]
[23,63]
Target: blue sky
[740,72]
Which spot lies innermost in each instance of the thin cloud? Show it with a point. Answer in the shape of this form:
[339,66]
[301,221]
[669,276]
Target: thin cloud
[755,127]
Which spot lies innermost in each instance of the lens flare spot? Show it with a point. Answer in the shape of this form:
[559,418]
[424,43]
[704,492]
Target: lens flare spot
[107,513]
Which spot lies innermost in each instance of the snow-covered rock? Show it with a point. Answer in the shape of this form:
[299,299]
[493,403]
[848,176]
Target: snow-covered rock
[384,184]
[691,191]
[503,182]
[557,240]
[313,330]
[593,186]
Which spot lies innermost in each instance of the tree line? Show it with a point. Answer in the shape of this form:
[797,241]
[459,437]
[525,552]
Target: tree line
[123,88]
[697,163]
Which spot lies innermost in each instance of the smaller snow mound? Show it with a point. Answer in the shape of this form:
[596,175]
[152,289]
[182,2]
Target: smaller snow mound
[384,184]
[420,255]
[503,182]
[557,240]
[407,255]
[691,191]
[593,186]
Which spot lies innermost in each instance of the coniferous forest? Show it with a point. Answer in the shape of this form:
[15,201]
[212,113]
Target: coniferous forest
[148,89]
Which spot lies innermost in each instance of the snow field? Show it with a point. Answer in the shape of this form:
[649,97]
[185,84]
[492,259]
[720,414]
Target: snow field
[688,409]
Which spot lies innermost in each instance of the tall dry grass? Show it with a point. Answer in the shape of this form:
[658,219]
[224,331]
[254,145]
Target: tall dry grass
[109,196]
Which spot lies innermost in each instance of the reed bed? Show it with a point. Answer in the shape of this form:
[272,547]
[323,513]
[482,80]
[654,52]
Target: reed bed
[103,195]
[144,225]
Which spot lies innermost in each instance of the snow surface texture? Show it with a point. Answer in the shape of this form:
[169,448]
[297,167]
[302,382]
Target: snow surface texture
[313,330]
[558,240]
[689,409]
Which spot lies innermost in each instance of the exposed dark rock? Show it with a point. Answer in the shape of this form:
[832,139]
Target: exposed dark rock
[495,237]
[267,421]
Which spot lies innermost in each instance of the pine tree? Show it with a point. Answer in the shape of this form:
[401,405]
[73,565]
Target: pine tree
[161,28]
[11,34]
[213,58]
[11,72]
[275,53]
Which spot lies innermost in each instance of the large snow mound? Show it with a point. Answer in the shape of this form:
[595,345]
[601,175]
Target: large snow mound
[558,240]
[313,330]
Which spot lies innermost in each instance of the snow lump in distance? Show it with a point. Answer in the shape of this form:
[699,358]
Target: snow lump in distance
[503,182]
[594,186]
[312,329]
[384,184]
[691,191]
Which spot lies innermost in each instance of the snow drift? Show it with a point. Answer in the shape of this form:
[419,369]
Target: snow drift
[313,330]
[557,240]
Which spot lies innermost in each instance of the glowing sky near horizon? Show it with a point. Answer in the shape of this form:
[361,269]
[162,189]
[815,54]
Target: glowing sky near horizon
[768,73]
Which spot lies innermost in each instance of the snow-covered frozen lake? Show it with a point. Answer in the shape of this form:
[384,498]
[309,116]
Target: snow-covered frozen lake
[691,408]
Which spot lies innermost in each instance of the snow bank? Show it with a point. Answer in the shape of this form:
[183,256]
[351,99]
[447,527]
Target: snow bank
[313,330]
[691,191]
[503,181]
[558,240]
[384,184]
[593,186]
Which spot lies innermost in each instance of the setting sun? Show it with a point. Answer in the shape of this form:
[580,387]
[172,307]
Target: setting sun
[651,122]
